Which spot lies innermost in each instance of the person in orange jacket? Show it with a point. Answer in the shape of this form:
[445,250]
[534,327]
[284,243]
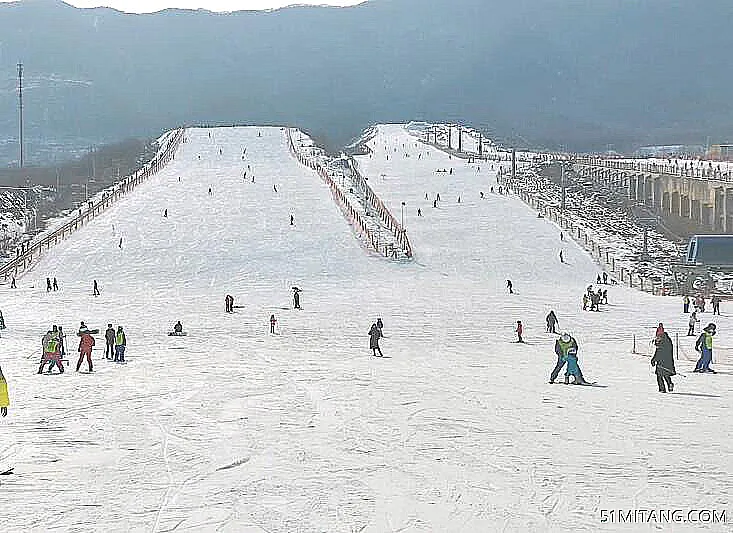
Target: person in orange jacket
[85,348]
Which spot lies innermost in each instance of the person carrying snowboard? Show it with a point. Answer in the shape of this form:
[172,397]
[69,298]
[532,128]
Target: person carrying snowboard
[4,398]
[551,322]
[120,343]
[374,335]
[86,343]
[663,360]
[109,336]
[562,345]
[704,345]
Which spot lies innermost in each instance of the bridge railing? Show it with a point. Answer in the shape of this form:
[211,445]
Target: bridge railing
[683,171]
[33,250]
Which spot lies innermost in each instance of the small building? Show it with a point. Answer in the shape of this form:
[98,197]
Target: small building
[721,152]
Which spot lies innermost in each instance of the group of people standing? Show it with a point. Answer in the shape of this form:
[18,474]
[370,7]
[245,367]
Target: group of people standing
[54,347]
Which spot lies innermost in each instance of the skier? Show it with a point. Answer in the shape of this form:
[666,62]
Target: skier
[109,336]
[48,284]
[165,213]
[704,345]
[686,304]
[292,220]
[551,319]
[273,321]
[274,187]
[664,361]
[715,301]
[561,258]
[605,278]
[585,302]
[210,193]
[598,279]
[691,324]
[85,349]
[12,283]
[518,331]
[562,345]
[120,343]
[95,291]
[435,203]
[419,212]
[573,369]
[120,245]
[509,286]
[55,284]
[4,400]
[296,298]
[374,334]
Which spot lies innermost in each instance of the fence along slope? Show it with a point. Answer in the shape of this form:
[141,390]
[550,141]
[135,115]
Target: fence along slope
[23,260]
[318,161]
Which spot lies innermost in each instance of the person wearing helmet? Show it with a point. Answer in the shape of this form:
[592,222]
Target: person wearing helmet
[562,345]
[704,345]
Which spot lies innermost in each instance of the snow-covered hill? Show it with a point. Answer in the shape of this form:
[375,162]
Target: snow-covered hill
[234,429]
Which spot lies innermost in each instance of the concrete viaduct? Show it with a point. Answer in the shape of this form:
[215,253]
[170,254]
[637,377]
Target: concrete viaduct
[703,199]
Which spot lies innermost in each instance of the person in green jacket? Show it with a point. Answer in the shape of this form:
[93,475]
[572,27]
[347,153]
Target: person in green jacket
[120,343]
[4,400]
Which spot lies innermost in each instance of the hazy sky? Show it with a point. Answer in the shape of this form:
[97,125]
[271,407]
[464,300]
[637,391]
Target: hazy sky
[147,6]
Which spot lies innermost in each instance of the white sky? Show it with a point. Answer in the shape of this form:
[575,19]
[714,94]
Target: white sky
[148,6]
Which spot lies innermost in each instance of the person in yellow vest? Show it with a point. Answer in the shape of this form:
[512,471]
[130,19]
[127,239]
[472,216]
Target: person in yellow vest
[120,344]
[4,400]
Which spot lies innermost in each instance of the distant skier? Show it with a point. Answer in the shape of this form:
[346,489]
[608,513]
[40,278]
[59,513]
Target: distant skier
[95,291]
[691,324]
[704,345]
[605,278]
[509,286]
[165,213]
[274,188]
[109,336]
[178,328]
[686,304]
[296,298]
[561,257]
[598,279]
[435,203]
[55,284]
[562,237]
[48,284]
[210,191]
[120,344]
[120,245]
[374,335]
[519,331]
[229,303]
[292,220]
[4,397]
[12,283]
[562,346]
[604,296]
[273,322]
[85,349]
[551,319]
[663,360]
[419,212]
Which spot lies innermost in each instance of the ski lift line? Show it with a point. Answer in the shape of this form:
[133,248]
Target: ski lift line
[23,261]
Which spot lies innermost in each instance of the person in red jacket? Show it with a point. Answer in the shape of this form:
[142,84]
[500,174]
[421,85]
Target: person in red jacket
[85,348]
[660,331]
[519,331]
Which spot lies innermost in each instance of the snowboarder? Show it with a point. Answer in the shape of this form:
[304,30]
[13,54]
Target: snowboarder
[715,301]
[374,335]
[296,298]
[519,331]
[55,284]
[663,360]
[691,324]
[120,343]
[686,304]
[178,328]
[509,286]
[273,322]
[48,284]
[551,319]
[95,291]
[562,346]
[86,343]
[704,345]
[109,336]
[4,400]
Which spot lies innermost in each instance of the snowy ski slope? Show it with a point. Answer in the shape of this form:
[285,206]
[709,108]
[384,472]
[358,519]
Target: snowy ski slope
[233,429]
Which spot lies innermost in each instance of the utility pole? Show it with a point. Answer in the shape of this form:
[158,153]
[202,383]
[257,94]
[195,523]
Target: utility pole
[20,109]
[460,139]
[450,131]
[514,164]
[562,184]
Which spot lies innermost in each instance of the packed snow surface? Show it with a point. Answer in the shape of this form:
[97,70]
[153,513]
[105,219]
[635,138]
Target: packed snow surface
[234,429]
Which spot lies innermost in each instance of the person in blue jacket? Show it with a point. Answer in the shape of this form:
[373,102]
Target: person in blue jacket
[573,369]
